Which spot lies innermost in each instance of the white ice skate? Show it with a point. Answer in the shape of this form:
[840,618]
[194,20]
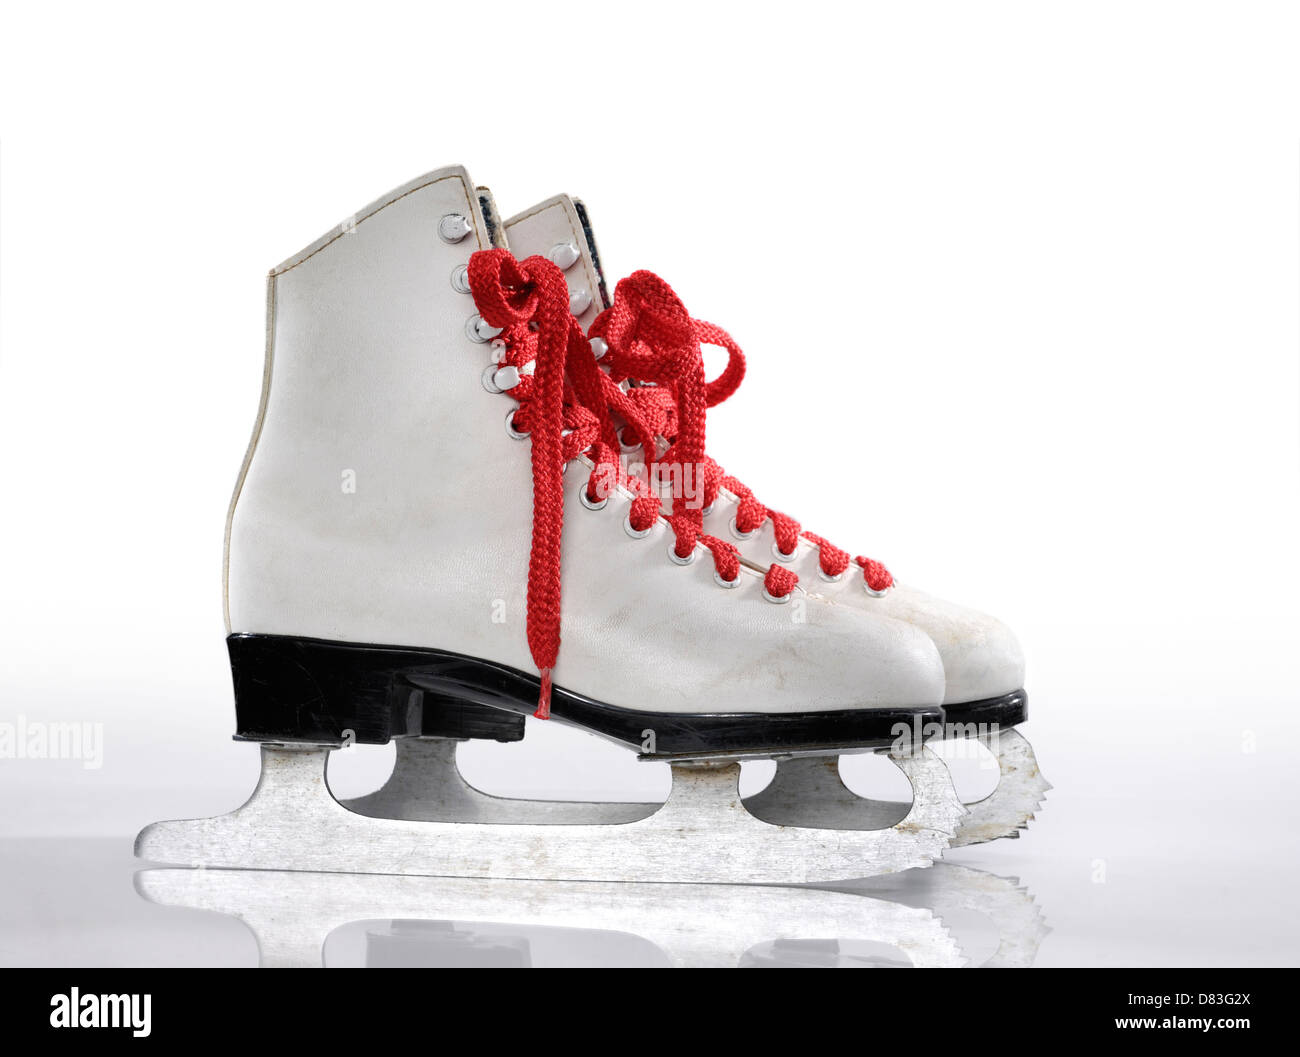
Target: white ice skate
[984,667]
[394,570]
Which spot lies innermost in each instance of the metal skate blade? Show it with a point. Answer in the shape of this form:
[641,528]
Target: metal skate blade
[426,785]
[807,792]
[291,914]
[1019,794]
[810,792]
[702,834]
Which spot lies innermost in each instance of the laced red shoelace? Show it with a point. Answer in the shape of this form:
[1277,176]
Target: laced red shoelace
[650,335]
[565,409]
[664,350]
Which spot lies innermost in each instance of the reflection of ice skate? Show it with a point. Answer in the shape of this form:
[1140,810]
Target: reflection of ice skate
[948,888]
[406,944]
[291,914]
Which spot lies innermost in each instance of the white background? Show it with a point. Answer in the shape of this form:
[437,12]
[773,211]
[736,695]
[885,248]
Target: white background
[1017,284]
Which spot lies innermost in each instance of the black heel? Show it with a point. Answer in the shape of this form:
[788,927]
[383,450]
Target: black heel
[305,690]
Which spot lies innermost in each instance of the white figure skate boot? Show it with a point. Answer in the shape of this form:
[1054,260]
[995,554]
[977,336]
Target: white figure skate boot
[394,570]
[984,666]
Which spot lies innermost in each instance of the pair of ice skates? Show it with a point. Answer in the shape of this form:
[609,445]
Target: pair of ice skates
[460,448]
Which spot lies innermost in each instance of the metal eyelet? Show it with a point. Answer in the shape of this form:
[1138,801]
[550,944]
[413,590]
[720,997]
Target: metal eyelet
[500,379]
[507,377]
[453,227]
[729,584]
[564,255]
[676,560]
[589,503]
[773,598]
[625,447]
[579,301]
[741,535]
[636,534]
[598,347]
[781,555]
[460,279]
[707,510]
[479,330]
[510,426]
[829,579]
[872,591]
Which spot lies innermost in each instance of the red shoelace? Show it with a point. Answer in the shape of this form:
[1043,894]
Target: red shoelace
[665,351]
[649,334]
[564,407]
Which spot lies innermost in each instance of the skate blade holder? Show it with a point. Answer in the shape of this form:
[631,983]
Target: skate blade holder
[806,790]
[703,833]
[804,780]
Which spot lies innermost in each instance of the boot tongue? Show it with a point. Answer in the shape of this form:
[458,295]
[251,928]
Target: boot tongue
[560,230]
[487,206]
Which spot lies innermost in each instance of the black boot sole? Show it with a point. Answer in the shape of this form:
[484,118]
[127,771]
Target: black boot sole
[992,713]
[290,689]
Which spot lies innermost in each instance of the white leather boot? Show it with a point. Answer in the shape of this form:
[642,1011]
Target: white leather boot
[405,551]
[984,666]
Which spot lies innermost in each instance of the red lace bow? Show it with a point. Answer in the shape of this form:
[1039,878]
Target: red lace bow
[652,338]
